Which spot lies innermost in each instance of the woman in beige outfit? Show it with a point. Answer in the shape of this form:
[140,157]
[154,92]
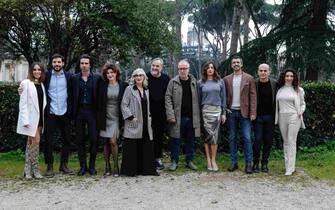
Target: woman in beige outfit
[290,106]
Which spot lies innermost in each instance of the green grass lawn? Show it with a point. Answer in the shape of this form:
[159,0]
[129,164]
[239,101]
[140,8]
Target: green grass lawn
[319,165]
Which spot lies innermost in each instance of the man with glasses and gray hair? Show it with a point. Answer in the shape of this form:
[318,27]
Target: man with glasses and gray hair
[157,85]
[183,114]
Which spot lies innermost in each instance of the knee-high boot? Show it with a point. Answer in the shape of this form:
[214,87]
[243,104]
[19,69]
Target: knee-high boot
[27,166]
[34,161]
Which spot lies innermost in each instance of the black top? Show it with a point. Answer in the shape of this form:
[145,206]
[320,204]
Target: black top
[186,103]
[144,104]
[40,102]
[86,91]
[157,88]
[264,106]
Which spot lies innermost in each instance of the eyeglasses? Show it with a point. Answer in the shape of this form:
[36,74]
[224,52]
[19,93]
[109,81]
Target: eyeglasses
[182,69]
[138,75]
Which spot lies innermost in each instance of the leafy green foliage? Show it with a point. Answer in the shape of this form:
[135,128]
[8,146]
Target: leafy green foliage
[114,29]
[9,100]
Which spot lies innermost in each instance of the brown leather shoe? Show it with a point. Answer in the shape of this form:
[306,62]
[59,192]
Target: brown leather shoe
[65,170]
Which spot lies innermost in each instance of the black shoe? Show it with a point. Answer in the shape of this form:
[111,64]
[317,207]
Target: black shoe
[49,173]
[248,168]
[233,167]
[255,168]
[265,168]
[92,172]
[107,169]
[116,172]
[65,170]
[81,171]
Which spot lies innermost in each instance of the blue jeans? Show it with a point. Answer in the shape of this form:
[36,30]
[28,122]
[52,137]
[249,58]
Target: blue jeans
[264,126]
[186,128]
[234,118]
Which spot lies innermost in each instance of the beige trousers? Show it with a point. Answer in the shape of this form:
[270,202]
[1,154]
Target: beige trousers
[289,125]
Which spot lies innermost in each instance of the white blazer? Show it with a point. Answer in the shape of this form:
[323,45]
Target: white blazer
[29,113]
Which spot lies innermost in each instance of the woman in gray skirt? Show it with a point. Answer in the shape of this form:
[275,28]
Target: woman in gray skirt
[109,117]
[212,98]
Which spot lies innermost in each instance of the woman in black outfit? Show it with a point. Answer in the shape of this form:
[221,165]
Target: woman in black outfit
[138,149]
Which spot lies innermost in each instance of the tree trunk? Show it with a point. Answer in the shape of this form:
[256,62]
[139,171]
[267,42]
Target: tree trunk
[235,32]
[246,29]
[317,24]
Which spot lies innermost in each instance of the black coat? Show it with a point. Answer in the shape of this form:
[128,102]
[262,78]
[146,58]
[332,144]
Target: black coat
[102,103]
[75,94]
[46,86]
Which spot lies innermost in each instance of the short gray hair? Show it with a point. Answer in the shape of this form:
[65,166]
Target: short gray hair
[158,59]
[184,61]
[139,71]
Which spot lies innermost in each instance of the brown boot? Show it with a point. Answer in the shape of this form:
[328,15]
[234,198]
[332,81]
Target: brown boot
[65,170]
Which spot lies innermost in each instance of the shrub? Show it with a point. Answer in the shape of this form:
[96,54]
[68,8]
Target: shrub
[319,118]
[9,100]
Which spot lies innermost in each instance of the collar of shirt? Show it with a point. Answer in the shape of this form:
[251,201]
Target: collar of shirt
[89,76]
[53,72]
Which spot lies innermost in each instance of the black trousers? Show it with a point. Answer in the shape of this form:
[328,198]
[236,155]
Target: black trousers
[86,117]
[263,127]
[158,138]
[52,123]
[158,127]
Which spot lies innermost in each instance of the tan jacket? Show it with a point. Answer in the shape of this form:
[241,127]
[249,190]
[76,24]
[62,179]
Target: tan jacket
[173,100]
[248,94]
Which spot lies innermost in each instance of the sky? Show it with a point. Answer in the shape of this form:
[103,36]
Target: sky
[186,24]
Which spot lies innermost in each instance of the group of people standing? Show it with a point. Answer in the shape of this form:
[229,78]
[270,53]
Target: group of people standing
[151,105]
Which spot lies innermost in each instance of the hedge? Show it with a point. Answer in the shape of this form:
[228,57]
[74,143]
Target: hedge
[319,118]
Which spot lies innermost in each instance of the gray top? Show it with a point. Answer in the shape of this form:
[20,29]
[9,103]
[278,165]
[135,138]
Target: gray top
[212,92]
[236,92]
[112,101]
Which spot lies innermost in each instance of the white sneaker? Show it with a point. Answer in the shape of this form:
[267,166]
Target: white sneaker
[288,173]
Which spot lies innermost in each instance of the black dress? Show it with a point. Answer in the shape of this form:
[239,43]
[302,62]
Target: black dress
[40,103]
[138,154]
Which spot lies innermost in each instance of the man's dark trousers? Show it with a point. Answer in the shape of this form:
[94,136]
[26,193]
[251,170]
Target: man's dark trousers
[264,126]
[86,116]
[52,123]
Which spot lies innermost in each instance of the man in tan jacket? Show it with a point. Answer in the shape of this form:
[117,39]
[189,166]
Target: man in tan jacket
[242,108]
[182,114]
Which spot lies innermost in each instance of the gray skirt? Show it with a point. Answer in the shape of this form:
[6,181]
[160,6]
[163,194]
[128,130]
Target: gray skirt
[211,123]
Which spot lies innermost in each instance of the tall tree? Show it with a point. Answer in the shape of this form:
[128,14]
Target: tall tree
[235,31]
[39,28]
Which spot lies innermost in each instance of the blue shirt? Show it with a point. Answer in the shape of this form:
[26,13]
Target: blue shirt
[86,90]
[58,93]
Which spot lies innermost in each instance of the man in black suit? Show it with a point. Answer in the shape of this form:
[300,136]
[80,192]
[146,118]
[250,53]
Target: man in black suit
[84,106]
[57,114]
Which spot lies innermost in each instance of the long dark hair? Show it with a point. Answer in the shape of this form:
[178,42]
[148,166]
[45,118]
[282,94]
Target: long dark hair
[295,82]
[216,75]
[31,69]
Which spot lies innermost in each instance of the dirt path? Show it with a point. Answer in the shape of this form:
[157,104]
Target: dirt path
[188,191]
